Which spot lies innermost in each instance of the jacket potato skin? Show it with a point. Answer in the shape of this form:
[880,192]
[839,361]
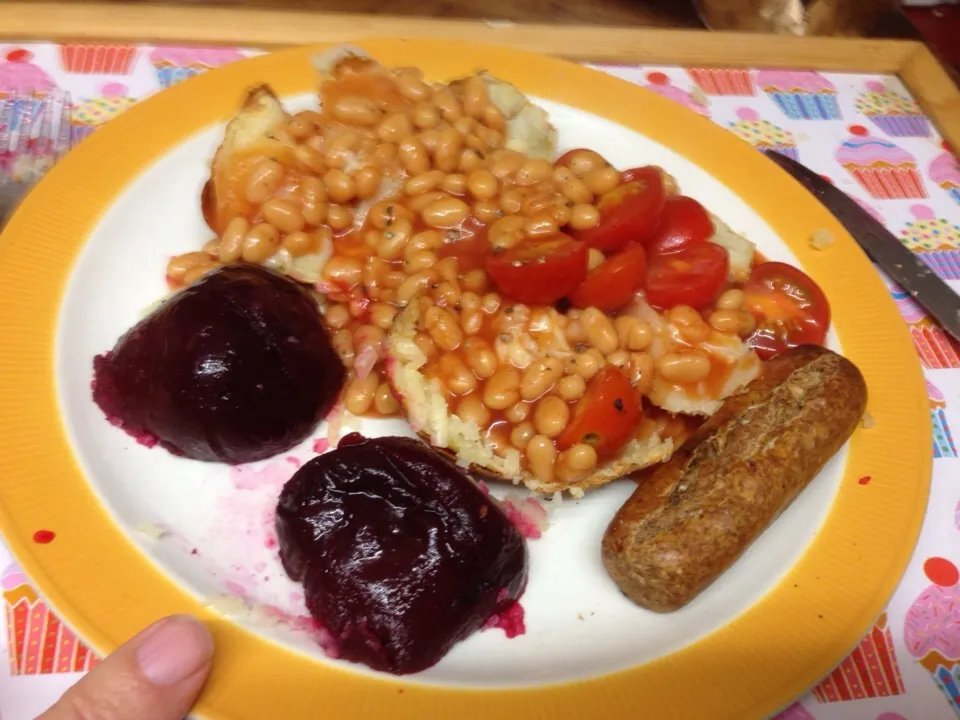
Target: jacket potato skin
[692,517]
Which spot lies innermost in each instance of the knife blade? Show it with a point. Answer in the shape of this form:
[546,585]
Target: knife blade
[881,246]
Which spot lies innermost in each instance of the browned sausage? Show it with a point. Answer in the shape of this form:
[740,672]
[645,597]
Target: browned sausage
[691,518]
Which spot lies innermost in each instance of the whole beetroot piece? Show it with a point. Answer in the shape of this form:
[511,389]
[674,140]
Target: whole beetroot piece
[235,368]
[400,554]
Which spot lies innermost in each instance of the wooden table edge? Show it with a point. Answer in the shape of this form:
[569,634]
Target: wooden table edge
[250,27]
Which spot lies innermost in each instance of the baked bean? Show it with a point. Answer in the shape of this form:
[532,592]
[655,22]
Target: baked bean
[474,281]
[368,336]
[212,248]
[339,217]
[470,160]
[384,402]
[381,315]
[356,110]
[382,214]
[576,191]
[337,316]
[482,184]
[518,412]
[521,435]
[414,285]
[341,188]
[490,303]
[282,215]
[263,181]
[692,327]
[731,299]
[231,242]
[447,295]
[470,301]
[367,182]
[540,377]
[506,165]
[541,226]
[314,198]
[486,211]
[493,118]
[571,388]
[412,87]
[177,266]
[358,395]
[427,346]
[541,455]
[345,272]
[584,217]
[429,139]
[619,358]
[602,180]
[447,268]
[474,96]
[600,331]
[533,171]
[342,341]
[640,337]
[301,126]
[507,232]
[443,328]
[748,323]
[472,409]
[424,240]
[417,203]
[455,184]
[491,139]
[448,149]
[480,357]
[502,389]
[725,321]
[575,332]
[581,457]
[445,213]
[587,364]
[309,158]
[419,261]
[551,416]
[472,322]
[684,368]
[393,280]
[448,105]
[413,156]
[424,182]
[300,243]
[595,259]
[316,142]
[426,115]
[642,372]
[198,271]
[394,239]
[260,243]
[384,154]
[583,161]
[511,201]
[455,374]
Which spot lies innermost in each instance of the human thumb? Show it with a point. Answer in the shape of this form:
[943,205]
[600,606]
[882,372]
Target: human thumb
[156,675]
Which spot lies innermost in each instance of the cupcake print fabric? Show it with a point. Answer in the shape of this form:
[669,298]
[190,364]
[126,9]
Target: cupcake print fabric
[864,133]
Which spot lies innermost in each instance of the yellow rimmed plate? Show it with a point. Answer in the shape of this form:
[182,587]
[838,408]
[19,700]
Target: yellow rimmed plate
[84,256]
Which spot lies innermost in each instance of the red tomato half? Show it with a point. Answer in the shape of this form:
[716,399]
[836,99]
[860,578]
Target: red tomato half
[471,249]
[693,276]
[539,272]
[684,223]
[629,212]
[607,416]
[790,308]
[614,283]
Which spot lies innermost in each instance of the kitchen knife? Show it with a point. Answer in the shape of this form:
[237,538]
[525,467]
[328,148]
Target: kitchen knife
[881,246]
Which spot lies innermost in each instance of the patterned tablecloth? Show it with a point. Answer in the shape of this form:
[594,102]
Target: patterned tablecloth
[863,132]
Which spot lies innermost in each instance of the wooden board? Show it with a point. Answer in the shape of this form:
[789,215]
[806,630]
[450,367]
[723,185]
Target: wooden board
[912,61]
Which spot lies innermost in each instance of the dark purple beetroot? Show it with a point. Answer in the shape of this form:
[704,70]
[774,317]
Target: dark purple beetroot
[400,554]
[236,368]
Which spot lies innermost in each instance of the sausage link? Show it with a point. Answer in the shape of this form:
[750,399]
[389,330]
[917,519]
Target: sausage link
[692,517]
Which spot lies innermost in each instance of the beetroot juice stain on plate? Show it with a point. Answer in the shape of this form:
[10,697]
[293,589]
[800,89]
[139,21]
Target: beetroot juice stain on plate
[44,537]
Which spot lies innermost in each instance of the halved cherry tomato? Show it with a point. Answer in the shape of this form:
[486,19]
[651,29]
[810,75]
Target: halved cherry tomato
[539,272]
[693,276]
[628,213]
[790,308]
[684,223]
[607,416]
[471,248]
[614,283]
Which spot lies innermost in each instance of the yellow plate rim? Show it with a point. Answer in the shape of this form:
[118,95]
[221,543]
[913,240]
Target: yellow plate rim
[106,589]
